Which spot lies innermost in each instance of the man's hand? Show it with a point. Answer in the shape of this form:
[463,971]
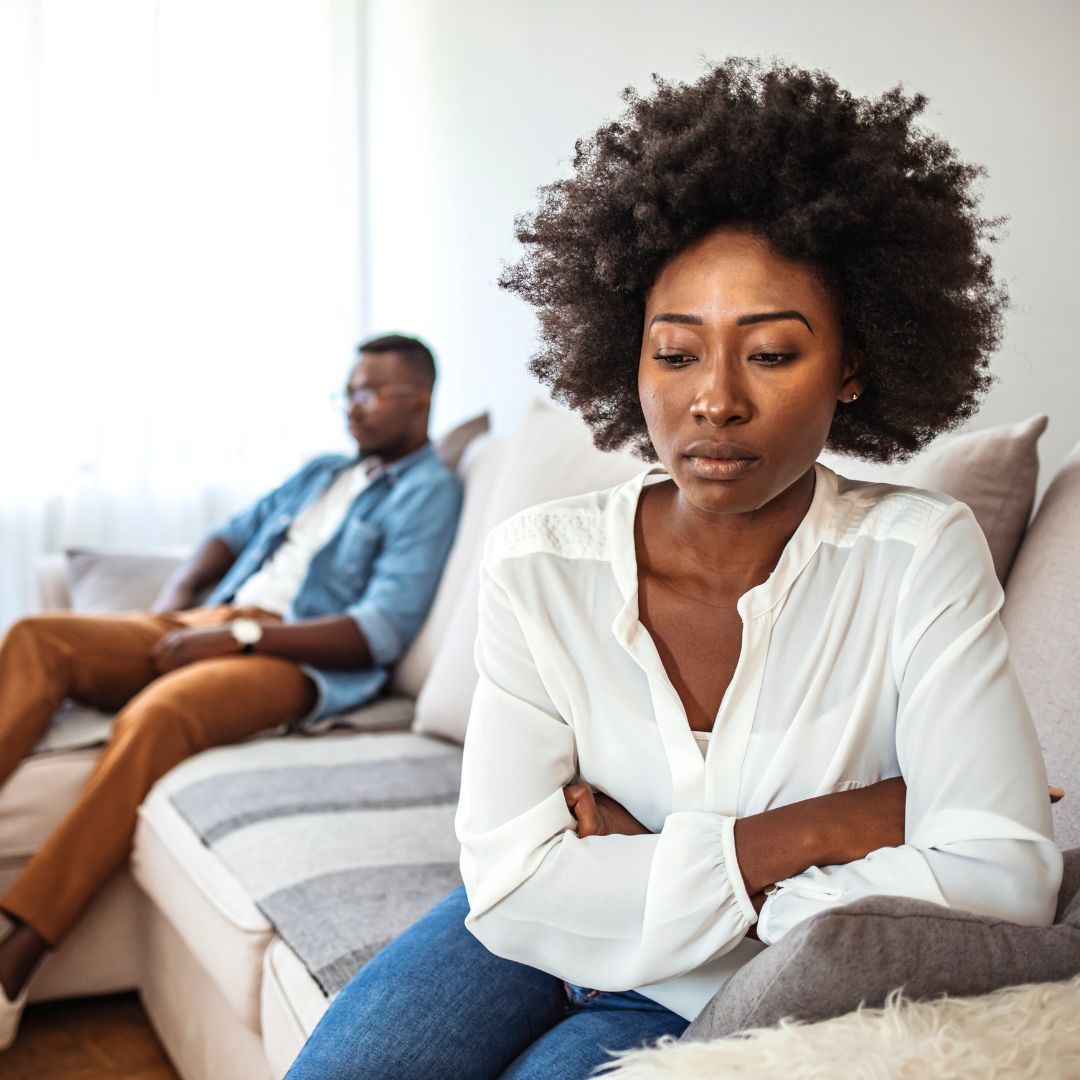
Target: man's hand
[181,647]
[599,815]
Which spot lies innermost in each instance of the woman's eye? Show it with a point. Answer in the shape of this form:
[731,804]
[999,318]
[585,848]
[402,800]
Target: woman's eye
[772,359]
[673,359]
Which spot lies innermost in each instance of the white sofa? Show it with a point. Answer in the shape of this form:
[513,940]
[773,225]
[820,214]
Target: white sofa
[228,997]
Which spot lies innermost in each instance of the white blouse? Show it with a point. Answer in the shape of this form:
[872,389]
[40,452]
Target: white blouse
[873,650]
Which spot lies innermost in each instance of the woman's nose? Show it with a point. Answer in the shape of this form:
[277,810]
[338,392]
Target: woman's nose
[721,396]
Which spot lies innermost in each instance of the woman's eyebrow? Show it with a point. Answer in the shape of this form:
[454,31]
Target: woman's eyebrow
[770,316]
[742,320]
[670,316]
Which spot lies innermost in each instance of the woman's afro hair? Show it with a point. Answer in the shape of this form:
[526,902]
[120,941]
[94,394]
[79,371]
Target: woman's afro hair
[881,209]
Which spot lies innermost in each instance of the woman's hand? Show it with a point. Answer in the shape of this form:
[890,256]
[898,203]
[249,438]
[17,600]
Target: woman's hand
[599,815]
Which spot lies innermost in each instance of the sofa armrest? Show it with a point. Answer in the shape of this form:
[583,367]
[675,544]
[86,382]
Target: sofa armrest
[51,583]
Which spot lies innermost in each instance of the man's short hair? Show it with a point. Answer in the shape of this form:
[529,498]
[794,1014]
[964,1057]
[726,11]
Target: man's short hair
[414,354]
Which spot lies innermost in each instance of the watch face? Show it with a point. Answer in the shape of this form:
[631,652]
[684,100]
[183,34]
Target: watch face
[246,631]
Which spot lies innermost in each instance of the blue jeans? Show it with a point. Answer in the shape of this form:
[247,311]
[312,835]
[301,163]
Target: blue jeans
[436,1004]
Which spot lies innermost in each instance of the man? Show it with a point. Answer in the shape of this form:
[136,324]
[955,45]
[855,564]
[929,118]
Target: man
[316,590]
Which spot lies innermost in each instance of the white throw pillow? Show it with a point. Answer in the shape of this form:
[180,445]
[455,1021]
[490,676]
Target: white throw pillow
[479,470]
[551,456]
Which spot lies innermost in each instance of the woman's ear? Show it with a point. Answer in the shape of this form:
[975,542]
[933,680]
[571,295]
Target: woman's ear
[856,373]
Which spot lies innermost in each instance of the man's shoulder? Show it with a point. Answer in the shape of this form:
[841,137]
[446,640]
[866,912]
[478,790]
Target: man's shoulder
[328,462]
[426,472]
[324,464]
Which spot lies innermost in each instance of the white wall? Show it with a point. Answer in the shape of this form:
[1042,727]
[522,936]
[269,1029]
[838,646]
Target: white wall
[473,104]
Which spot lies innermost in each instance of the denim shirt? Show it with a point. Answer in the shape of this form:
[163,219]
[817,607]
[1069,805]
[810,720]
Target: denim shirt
[381,567]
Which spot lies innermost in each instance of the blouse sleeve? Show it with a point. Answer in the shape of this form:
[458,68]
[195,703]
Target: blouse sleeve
[978,825]
[609,912]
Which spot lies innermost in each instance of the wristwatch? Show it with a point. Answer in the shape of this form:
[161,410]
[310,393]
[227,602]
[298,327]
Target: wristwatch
[247,633]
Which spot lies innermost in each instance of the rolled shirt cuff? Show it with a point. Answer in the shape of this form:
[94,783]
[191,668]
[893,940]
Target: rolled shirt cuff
[382,639]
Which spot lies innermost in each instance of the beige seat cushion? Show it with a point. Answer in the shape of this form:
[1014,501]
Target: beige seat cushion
[36,797]
[550,457]
[292,1004]
[995,471]
[478,470]
[193,887]
[209,908]
[98,956]
[1042,617]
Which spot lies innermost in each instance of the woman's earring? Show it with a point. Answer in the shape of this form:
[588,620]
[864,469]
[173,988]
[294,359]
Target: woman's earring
[854,397]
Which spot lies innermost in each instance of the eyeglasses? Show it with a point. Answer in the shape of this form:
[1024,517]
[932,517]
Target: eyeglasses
[364,396]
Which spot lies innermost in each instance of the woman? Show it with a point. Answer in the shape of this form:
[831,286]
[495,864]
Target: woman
[702,692]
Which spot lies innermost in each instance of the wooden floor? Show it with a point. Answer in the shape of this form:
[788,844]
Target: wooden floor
[86,1039]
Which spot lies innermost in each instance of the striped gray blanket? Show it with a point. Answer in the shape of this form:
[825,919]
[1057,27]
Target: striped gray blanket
[340,854]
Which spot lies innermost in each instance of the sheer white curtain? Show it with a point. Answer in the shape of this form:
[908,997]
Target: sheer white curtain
[179,262]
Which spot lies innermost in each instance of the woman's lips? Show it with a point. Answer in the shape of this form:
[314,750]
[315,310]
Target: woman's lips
[709,468]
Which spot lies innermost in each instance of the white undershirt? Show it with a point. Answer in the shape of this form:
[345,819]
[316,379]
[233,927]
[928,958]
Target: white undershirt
[275,584]
[873,650]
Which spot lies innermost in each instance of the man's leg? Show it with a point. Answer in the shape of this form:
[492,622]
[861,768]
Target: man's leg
[433,1003]
[205,704]
[102,660]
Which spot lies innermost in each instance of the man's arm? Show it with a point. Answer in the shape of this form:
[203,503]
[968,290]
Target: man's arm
[333,641]
[378,627]
[207,566]
[214,557]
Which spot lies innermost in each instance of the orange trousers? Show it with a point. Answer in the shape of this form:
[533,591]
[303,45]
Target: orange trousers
[106,661]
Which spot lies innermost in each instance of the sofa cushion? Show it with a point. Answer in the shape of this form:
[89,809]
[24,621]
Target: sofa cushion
[213,910]
[292,1004]
[315,835]
[860,953]
[550,457]
[207,906]
[1042,617]
[74,727]
[36,797]
[451,445]
[995,471]
[388,713]
[479,469]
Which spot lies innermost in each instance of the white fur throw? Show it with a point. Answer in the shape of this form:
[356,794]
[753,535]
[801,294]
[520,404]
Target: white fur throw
[1021,1031]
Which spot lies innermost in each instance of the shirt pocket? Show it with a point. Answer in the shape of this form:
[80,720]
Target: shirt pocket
[358,546]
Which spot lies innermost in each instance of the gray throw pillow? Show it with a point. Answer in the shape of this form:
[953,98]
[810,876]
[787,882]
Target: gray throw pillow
[452,445]
[859,953]
[101,582]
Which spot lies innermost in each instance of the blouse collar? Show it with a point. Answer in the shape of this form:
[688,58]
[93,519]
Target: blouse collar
[798,551]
